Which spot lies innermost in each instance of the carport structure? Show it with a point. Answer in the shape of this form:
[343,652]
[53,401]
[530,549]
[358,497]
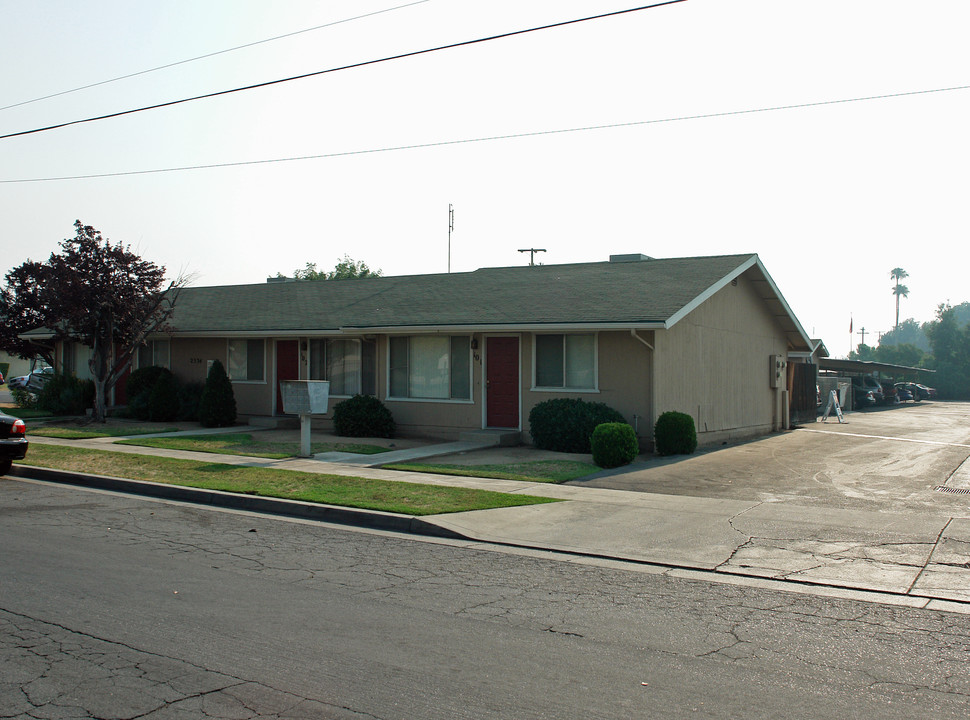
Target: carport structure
[863,367]
[866,367]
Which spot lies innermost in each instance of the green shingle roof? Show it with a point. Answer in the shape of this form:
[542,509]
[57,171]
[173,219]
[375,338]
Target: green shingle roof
[627,293]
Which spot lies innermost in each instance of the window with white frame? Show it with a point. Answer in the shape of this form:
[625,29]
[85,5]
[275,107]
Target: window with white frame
[431,367]
[155,352]
[350,364]
[565,361]
[247,360]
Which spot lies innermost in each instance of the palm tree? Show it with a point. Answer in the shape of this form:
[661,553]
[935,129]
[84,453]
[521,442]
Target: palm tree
[899,290]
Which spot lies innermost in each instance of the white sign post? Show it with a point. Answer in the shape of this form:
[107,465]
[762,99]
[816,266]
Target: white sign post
[305,398]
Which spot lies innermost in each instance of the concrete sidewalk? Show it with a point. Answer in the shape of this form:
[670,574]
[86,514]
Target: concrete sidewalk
[922,557]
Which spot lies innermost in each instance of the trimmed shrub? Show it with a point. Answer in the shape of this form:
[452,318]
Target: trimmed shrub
[217,406]
[363,416]
[163,400]
[189,395]
[614,444]
[23,399]
[674,434]
[139,387]
[66,395]
[566,424]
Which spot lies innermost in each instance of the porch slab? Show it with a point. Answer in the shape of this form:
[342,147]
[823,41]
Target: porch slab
[494,438]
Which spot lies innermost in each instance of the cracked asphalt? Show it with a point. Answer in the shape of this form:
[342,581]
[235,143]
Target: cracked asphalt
[119,607]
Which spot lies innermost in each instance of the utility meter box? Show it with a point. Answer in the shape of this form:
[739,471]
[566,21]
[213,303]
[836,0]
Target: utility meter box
[305,397]
[779,371]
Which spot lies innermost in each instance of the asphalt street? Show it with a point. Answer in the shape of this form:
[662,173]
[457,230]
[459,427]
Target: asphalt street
[116,606]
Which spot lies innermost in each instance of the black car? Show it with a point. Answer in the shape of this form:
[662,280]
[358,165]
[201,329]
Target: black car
[13,441]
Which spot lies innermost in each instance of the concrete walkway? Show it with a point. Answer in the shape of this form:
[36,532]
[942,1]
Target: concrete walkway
[919,559]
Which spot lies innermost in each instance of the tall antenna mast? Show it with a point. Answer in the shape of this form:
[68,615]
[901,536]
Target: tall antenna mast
[451,227]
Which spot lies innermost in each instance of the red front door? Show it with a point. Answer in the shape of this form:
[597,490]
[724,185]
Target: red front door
[502,382]
[287,367]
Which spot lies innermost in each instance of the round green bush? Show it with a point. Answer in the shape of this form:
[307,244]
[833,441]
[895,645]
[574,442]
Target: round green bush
[143,380]
[674,434]
[363,416]
[139,387]
[614,444]
[217,406]
[189,396]
[566,424]
[163,400]
[66,395]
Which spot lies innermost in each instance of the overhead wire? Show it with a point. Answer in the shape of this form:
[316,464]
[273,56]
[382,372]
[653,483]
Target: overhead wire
[365,63]
[211,54]
[492,138]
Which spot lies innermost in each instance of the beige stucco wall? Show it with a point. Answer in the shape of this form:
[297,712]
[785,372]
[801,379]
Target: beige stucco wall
[436,419]
[714,366]
[624,367]
[190,361]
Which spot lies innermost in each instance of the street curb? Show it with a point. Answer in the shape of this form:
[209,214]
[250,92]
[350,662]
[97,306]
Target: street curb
[375,519]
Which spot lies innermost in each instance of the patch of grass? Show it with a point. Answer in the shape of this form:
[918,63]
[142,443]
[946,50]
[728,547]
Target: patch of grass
[86,432]
[550,471]
[24,413]
[245,444]
[387,496]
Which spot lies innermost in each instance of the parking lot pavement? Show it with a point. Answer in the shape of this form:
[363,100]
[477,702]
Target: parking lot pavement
[890,460]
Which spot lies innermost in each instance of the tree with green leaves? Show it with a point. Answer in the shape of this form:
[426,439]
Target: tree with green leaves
[908,332]
[899,290]
[95,293]
[950,341]
[346,269]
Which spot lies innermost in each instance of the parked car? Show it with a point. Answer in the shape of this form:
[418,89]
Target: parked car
[889,392]
[867,383]
[913,390]
[13,441]
[863,397]
[902,392]
[33,382]
[927,392]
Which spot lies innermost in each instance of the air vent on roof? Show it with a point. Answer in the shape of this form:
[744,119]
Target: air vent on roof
[635,257]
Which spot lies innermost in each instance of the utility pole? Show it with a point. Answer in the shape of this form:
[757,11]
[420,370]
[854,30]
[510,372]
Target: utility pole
[862,332]
[451,227]
[533,251]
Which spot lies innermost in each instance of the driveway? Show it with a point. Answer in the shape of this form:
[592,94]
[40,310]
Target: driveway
[887,460]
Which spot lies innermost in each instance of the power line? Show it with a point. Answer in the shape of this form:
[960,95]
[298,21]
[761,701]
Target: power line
[208,55]
[365,63]
[512,136]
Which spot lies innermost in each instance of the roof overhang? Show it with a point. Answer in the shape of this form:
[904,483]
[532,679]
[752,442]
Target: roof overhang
[768,291]
[417,329]
[867,366]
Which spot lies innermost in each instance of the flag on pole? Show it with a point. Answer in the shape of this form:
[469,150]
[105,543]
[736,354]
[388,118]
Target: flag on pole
[850,324]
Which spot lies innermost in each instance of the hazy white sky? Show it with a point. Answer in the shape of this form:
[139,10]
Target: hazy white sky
[832,196]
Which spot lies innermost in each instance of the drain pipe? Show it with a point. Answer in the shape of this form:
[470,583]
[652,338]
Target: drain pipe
[633,333]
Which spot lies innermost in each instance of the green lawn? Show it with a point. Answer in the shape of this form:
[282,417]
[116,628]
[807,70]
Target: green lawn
[246,444]
[24,413]
[388,496]
[551,471]
[95,430]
